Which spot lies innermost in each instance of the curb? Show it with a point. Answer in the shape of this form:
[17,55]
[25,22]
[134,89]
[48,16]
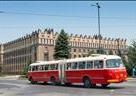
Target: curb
[131,78]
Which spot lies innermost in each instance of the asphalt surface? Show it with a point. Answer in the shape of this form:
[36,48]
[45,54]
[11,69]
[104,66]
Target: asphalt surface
[24,88]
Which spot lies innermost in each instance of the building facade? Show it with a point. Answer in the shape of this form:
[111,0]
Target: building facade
[39,46]
[1,57]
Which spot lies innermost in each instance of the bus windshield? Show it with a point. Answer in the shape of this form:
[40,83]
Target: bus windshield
[114,63]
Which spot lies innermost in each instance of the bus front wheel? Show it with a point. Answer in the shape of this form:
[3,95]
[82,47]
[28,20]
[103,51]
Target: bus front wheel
[87,83]
[32,81]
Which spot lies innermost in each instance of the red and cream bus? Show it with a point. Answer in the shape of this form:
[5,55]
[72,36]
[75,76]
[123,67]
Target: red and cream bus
[96,69]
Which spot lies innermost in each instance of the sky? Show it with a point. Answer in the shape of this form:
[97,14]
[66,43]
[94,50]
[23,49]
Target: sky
[117,18]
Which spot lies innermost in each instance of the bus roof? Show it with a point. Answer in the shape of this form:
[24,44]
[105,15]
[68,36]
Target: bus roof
[92,57]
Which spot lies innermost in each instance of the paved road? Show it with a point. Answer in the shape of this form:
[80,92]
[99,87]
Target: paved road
[24,88]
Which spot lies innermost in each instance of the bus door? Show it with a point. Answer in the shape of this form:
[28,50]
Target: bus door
[62,72]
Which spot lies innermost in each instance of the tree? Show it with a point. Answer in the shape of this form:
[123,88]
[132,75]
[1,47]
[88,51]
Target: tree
[131,57]
[110,52]
[25,70]
[62,48]
[127,65]
[91,52]
[100,51]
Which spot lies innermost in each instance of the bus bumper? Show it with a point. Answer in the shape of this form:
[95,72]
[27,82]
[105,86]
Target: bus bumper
[116,80]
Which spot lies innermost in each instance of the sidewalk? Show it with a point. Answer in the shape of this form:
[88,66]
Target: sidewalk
[10,77]
[131,78]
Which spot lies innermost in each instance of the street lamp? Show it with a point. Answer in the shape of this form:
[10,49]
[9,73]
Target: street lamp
[99,35]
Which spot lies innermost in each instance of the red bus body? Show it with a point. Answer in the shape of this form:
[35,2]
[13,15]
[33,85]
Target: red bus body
[96,76]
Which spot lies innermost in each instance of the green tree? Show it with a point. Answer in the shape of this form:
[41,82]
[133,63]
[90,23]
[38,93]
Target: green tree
[131,57]
[62,48]
[91,52]
[100,51]
[127,65]
[25,69]
[110,52]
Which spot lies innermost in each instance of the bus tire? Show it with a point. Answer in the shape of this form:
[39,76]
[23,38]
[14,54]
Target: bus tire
[32,81]
[45,83]
[104,85]
[87,82]
[67,84]
[53,81]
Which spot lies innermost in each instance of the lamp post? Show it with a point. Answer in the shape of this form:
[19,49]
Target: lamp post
[99,34]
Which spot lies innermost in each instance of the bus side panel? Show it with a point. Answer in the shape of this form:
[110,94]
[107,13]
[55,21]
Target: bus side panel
[34,76]
[96,76]
[41,76]
[73,76]
[116,74]
[50,74]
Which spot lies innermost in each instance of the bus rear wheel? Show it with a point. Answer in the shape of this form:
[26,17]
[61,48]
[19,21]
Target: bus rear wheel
[87,83]
[53,80]
[67,84]
[45,83]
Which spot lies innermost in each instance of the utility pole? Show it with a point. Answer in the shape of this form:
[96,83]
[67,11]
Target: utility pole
[99,34]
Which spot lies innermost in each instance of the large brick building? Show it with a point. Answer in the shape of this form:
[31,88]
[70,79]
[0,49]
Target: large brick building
[1,57]
[39,46]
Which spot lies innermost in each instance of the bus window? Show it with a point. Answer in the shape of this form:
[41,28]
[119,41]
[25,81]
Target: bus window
[52,67]
[46,67]
[43,67]
[74,65]
[33,68]
[56,66]
[89,64]
[36,68]
[81,65]
[112,63]
[68,66]
[98,64]
[39,68]
[49,67]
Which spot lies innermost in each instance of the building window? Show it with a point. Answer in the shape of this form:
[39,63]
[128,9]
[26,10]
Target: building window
[46,58]
[74,50]
[84,55]
[88,50]
[79,50]
[74,56]
[84,50]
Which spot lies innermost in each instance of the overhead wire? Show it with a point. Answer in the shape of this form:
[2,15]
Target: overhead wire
[55,15]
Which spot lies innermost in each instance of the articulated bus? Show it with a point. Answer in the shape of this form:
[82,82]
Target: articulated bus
[92,70]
